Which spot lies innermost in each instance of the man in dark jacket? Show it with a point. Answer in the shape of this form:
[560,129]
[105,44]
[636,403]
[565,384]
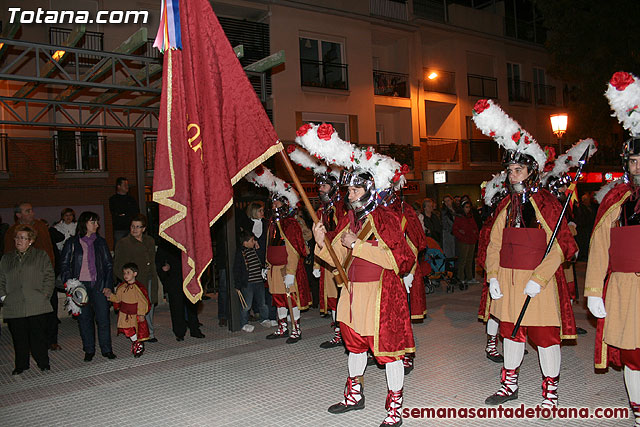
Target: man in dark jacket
[123,208]
[169,267]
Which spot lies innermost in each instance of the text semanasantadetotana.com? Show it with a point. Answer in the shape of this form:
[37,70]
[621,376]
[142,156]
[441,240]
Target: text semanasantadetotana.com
[518,412]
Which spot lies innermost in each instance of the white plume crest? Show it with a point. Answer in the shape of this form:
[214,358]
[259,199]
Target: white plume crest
[571,158]
[274,184]
[305,160]
[625,102]
[334,150]
[495,123]
[494,186]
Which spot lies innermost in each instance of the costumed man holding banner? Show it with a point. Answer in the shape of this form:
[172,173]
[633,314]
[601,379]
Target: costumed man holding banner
[372,309]
[417,241]
[331,211]
[286,250]
[516,263]
[613,280]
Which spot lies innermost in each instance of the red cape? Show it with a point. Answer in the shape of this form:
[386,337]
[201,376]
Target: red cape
[612,356]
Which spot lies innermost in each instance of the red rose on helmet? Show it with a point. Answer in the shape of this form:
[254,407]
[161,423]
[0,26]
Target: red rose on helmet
[621,80]
[481,105]
[369,153]
[259,170]
[516,137]
[492,134]
[291,148]
[303,129]
[325,131]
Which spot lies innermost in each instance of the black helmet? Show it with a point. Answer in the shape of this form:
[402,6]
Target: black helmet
[631,147]
[333,195]
[530,184]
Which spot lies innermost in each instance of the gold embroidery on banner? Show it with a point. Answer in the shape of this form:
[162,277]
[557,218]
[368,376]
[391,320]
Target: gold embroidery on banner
[195,138]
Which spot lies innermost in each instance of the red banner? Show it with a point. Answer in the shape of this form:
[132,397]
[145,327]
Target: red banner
[212,131]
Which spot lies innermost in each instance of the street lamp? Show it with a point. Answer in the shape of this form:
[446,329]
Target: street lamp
[559,127]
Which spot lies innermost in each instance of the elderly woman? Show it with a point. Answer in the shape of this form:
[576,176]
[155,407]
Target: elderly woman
[86,257]
[26,284]
[139,248]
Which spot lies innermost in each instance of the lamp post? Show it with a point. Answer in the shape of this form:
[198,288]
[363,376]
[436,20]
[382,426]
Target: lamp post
[559,127]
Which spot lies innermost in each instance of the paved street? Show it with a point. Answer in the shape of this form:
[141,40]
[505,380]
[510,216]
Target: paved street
[240,379]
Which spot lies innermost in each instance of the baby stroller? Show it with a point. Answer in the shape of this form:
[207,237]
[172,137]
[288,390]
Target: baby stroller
[437,268]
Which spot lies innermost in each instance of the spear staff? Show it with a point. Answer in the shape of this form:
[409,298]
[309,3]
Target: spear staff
[581,163]
[314,217]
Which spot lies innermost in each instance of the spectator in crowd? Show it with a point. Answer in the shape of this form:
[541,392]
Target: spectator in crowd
[248,274]
[25,215]
[585,218]
[86,257]
[26,284]
[3,231]
[169,268]
[220,232]
[139,248]
[123,208]
[431,221]
[457,200]
[465,231]
[52,325]
[67,225]
[448,215]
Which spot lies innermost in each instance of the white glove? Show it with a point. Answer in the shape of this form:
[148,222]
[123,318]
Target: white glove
[264,273]
[532,288]
[316,273]
[288,280]
[408,281]
[596,307]
[494,289]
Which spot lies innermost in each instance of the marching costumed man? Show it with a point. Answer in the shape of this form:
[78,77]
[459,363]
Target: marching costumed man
[613,268]
[493,192]
[516,263]
[330,213]
[558,182]
[372,309]
[417,241]
[286,250]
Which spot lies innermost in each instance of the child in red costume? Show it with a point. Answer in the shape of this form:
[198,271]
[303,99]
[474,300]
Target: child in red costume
[132,301]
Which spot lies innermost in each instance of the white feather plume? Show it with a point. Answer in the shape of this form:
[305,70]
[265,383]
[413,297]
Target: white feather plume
[274,184]
[624,103]
[336,151]
[570,159]
[494,122]
[599,196]
[494,186]
[305,160]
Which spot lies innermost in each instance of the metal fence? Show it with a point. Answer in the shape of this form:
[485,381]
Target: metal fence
[545,94]
[445,82]
[91,40]
[79,151]
[329,75]
[150,152]
[4,152]
[386,83]
[519,91]
[482,86]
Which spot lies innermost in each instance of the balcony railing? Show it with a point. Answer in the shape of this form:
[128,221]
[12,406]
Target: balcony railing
[91,40]
[4,152]
[442,150]
[545,95]
[444,83]
[484,151]
[394,9]
[387,83]
[519,91]
[328,75]
[84,151]
[482,86]
[149,152]
[433,10]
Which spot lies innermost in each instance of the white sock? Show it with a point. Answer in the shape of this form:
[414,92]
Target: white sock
[282,312]
[632,381]
[550,358]
[333,315]
[395,375]
[134,337]
[296,313]
[357,364]
[513,353]
[492,327]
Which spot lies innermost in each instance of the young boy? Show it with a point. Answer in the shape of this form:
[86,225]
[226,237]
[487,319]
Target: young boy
[247,270]
[133,302]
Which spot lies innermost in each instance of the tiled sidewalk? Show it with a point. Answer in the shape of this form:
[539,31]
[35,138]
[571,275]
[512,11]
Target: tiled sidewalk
[240,379]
